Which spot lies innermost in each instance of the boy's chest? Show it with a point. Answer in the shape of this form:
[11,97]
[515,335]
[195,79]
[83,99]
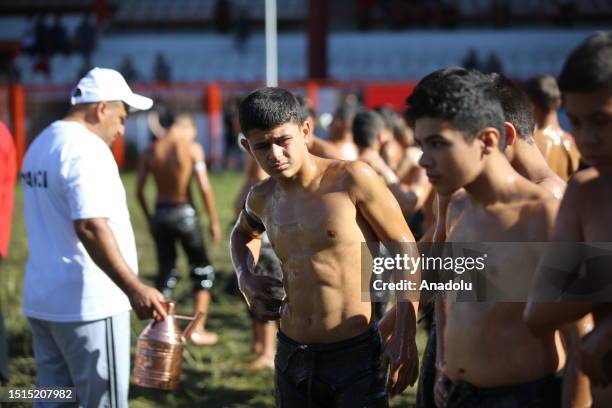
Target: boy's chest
[310,222]
[495,226]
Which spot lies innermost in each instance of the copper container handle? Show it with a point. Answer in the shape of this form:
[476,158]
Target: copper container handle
[195,320]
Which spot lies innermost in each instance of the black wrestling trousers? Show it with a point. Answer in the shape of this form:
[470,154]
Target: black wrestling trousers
[345,374]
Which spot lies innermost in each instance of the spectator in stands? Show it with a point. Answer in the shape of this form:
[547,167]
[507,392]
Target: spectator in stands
[471,60]
[86,66]
[500,13]
[161,69]
[493,64]
[243,27]
[59,37]
[42,37]
[567,10]
[28,39]
[128,70]
[8,173]
[9,71]
[85,36]
[363,14]
[223,16]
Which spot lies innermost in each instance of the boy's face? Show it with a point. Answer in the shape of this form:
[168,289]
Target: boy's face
[591,116]
[280,151]
[450,161]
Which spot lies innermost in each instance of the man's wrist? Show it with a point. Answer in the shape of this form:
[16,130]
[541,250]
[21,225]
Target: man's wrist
[132,286]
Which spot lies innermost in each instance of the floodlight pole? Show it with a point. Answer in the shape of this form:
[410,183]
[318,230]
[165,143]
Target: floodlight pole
[271,44]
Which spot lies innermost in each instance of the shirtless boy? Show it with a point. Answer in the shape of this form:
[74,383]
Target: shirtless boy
[340,131]
[557,146]
[524,157]
[317,213]
[585,215]
[459,123]
[173,160]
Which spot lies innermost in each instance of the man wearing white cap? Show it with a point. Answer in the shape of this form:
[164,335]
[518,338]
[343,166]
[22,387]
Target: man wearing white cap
[80,277]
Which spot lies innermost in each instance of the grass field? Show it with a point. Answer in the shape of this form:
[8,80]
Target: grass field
[212,376]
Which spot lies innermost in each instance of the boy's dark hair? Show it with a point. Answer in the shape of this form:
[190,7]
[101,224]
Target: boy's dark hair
[267,108]
[366,126]
[169,115]
[387,115]
[544,92]
[463,98]
[346,112]
[589,67]
[515,105]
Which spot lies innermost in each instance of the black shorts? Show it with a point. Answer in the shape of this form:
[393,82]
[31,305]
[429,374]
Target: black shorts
[345,374]
[542,393]
[179,222]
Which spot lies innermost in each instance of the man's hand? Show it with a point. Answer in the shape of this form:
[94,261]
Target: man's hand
[596,355]
[401,359]
[215,231]
[259,294]
[147,302]
[440,389]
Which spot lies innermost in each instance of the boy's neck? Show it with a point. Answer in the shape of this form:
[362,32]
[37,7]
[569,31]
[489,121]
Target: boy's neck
[497,182]
[529,162]
[549,120]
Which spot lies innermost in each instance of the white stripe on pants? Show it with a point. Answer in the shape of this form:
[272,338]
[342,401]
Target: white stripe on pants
[92,356]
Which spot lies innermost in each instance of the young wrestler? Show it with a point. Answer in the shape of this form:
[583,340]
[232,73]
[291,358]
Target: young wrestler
[557,146]
[341,135]
[370,133]
[391,150]
[317,214]
[173,160]
[585,215]
[316,145]
[459,123]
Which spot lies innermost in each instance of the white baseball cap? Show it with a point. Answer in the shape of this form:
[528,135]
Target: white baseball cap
[103,84]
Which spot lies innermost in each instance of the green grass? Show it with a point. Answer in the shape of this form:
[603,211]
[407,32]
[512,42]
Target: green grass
[212,376]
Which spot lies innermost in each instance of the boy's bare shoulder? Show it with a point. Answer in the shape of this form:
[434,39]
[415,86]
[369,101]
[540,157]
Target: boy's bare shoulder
[357,171]
[541,213]
[256,200]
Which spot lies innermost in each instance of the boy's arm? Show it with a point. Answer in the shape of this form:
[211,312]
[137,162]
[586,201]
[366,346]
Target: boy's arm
[543,317]
[245,243]
[576,388]
[382,212]
[199,169]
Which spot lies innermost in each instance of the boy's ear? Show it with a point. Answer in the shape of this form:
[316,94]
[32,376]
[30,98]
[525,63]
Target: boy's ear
[489,137]
[245,144]
[306,132]
[510,133]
